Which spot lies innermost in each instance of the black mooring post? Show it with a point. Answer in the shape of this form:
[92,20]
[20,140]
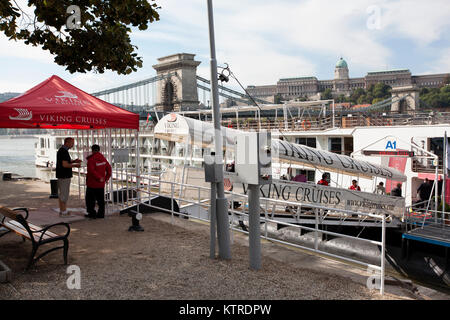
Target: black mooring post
[53,188]
[135,226]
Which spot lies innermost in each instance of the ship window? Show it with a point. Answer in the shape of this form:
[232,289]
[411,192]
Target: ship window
[42,143]
[348,145]
[437,147]
[335,145]
[309,142]
[309,174]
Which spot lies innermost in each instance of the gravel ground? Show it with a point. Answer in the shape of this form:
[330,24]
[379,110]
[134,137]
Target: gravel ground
[164,262]
[167,261]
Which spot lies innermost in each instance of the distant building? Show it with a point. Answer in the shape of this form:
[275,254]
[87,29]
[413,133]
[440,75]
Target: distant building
[311,87]
[8,95]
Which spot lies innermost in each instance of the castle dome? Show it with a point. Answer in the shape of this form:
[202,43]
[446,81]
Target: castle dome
[341,64]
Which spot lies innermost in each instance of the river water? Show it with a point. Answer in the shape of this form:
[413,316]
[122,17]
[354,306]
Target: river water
[17,156]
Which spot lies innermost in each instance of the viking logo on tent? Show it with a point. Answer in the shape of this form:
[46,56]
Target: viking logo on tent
[173,117]
[66,97]
[24,115]
[66,94]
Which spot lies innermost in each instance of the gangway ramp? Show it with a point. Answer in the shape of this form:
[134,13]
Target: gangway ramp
[433,234]
[438,235]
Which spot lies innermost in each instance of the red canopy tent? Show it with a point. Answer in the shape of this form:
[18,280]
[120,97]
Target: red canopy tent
[56,104]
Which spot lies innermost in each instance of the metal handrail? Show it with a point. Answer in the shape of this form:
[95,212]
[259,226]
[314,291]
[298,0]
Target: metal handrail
[431,214]
[154,188]
[275,202]
[357,119]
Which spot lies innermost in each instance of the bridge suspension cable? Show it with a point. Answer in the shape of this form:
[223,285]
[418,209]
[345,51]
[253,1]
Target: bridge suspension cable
[242,97]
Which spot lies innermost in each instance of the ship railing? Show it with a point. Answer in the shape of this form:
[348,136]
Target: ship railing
[423,214]
[425,165]
[355,119]
[423,161]
[293,124]
[345,120]
[199,196]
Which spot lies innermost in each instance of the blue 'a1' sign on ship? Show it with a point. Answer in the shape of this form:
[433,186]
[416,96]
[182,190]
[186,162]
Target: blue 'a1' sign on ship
[392,145]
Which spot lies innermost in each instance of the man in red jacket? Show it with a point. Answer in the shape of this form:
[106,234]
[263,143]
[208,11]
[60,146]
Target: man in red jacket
[355,186]
[324,180]
[98,173]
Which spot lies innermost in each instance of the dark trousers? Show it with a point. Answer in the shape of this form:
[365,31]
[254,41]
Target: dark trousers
[93,195]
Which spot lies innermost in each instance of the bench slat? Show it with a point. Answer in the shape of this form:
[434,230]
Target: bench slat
[35,227]
[15,226]
[18,228]
[10,220]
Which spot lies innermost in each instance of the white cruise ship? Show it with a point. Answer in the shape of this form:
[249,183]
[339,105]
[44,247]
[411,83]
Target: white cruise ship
[412,144]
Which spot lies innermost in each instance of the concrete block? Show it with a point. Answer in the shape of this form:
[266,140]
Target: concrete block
[5,273]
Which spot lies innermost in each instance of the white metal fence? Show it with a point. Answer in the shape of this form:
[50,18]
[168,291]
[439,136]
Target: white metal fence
[122,186]
[422,214]
[154,187]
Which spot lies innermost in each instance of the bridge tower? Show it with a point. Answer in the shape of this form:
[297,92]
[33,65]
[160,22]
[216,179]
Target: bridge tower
[177,83]
[410,100]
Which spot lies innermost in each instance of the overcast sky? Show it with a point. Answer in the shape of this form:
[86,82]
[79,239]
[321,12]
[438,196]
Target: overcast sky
[264,41]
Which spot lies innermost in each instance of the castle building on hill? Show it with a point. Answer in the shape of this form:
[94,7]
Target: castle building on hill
[311,87]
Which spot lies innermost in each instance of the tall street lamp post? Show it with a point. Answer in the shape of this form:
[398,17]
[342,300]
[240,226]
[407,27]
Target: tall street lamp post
[221,207]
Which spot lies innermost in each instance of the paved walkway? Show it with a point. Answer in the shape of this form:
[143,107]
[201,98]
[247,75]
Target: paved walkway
[47,216]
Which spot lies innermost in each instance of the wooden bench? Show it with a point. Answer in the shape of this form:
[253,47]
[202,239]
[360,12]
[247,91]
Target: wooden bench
[15,222]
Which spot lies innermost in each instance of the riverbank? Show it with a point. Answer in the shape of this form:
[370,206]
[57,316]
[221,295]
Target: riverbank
[170,260]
